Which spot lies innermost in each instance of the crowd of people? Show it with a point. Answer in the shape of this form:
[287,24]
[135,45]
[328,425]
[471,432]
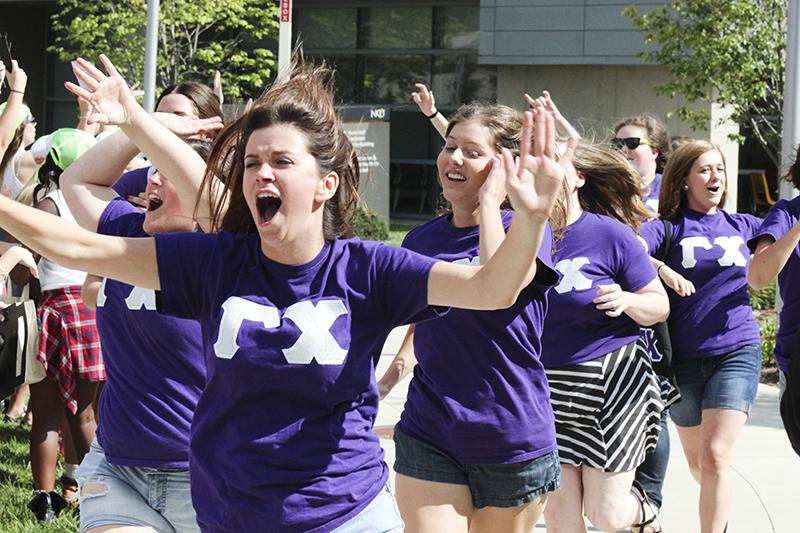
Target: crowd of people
[215,369]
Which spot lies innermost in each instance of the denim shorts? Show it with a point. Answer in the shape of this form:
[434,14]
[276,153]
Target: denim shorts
[380,516]
[153,498]
[728,381]
[491,485]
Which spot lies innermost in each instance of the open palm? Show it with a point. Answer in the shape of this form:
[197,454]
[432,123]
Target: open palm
[534,179]
[110,97]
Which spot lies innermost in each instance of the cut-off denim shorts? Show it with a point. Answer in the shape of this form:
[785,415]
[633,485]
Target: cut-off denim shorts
[728,381]
[154,498]
[491,485]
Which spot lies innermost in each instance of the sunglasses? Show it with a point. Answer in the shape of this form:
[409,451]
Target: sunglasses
[30,120]
[631,143]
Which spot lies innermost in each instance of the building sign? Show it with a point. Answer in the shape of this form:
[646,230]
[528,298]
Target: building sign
[367,127]
[286,10]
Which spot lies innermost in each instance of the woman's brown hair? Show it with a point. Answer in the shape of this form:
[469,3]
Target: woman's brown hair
[672,198]
[13,147]
[304,101]
[612,188]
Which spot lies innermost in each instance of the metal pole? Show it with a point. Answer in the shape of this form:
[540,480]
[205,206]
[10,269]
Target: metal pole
[285,40]
[791,107]
[150,55]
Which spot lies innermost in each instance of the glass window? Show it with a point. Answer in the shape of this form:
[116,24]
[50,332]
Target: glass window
[402,27]
[326,28]
[390,79]
[457,27]
[460,79]
[344,81]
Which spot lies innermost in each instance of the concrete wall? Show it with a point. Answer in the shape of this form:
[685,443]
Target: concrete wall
[593,98]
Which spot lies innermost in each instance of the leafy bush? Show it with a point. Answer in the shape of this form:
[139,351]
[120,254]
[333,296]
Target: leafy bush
[764,298]
[369,226]
[768,324]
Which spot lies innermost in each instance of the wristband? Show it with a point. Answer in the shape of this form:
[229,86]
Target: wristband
[658,270]
[16,91]
[432,114]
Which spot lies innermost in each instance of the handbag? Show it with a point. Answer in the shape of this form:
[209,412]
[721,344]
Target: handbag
[19,344]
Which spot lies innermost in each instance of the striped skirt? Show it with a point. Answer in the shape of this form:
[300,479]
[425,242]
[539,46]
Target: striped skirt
[607,411]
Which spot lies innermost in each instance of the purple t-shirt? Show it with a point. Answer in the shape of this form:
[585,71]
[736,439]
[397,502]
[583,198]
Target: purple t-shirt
[595,250]
[651,199]
[711,252]
[154,364]
[132,183]
[282,437]
[479,391]
[780,219]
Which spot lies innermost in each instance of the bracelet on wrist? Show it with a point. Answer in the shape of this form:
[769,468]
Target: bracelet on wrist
[658,270]
[16,91]
[432,114]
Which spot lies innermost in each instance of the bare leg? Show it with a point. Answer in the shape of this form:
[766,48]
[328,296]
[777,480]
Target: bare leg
[690,441]
[718,433]
[430,507]
[608,501]
[521,519]
[48,411]
[82,423]
[564,511]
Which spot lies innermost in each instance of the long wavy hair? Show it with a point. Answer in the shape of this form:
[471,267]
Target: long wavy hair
[305,101]
[672,198]
[612,188]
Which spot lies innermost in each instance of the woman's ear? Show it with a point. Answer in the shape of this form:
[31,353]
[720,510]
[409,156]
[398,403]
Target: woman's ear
[581,181]
[328,186]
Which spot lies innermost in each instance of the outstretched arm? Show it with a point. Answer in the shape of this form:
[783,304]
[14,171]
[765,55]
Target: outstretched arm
[771,256]
[132,261]
[113,103]
[17,81]
[427,104]
[533,182]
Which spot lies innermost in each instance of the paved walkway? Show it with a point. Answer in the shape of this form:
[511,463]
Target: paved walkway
[766,472]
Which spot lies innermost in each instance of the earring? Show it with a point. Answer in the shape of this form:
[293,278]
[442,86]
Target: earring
[685,187]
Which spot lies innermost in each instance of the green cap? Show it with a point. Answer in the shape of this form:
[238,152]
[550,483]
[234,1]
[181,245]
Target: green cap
[22,115]
[68,144]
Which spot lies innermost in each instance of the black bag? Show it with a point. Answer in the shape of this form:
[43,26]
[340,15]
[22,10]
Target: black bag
[660,331]
[790,402]
[19,345]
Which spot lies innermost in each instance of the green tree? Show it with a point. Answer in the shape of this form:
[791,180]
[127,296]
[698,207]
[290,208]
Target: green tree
[728,51]
[195,37]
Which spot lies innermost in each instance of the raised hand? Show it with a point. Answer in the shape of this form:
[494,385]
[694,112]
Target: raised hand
[2,73]
[424,99]
[16,77]
[218,86]
[186,126]
[493,190]
[534,179]
[546,102]
[110,99]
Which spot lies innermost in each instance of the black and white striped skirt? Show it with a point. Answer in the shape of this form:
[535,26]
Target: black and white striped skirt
[608,410]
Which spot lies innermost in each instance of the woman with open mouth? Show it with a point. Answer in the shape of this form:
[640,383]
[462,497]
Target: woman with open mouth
[293,313]
[715,339]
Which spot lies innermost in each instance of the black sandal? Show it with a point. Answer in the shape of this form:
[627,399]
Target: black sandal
[644,502]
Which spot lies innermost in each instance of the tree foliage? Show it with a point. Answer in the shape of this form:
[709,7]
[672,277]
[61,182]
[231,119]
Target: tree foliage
[195,38]
[728,51]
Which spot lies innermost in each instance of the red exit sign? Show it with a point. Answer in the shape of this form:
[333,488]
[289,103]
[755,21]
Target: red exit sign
[286,10]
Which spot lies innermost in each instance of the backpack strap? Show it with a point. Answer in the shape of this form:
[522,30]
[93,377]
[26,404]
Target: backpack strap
[666,244]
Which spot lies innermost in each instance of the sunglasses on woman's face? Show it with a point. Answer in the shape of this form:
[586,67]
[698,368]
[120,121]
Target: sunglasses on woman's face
[30,120]
[631,143]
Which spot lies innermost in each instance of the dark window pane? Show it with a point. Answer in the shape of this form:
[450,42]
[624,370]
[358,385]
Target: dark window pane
[326,28]
[398,27]
[59,72]
[391,79]
[460,79]
[457,27]
[345,78]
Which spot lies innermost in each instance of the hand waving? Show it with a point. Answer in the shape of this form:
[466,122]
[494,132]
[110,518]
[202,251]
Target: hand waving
[186,126]
[111,101]
[424,99]
[534,179]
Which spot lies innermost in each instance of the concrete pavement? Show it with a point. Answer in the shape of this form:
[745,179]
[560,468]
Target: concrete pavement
[765,470]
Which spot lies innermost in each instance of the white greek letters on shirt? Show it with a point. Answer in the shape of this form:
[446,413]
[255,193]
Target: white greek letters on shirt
[314,322]
[731,247]
[572,278]
[138,299]
[473,261]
